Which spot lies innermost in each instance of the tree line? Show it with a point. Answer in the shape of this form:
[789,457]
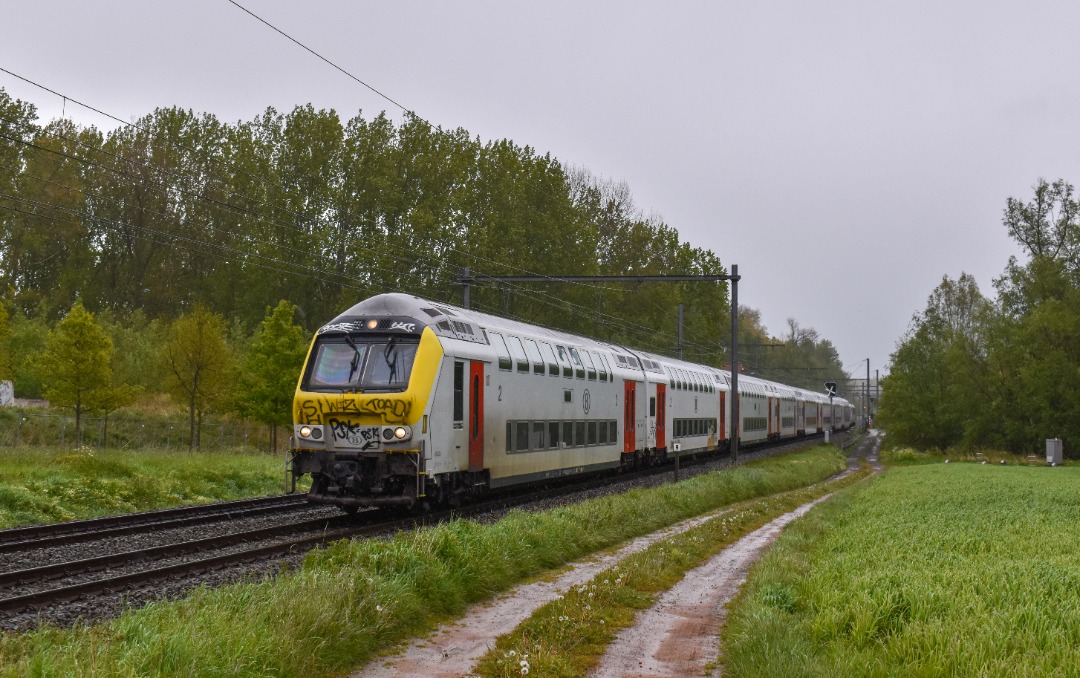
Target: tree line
[1004,372]
[180,214]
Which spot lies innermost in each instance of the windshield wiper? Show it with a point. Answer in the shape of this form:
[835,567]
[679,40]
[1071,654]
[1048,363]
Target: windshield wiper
[356,357]
[392,364]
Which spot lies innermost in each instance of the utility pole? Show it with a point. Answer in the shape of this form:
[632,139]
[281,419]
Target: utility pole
[867,420]
[735,428]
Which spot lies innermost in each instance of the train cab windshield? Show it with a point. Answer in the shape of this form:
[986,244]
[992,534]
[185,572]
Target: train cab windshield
[345,363]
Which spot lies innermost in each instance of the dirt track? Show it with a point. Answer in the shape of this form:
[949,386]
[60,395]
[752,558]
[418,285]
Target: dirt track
[676,637]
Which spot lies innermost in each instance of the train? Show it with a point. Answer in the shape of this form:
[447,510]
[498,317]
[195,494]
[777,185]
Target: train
[407,402]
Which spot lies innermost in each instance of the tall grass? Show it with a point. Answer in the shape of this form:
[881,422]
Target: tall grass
[46,485]
[933,570]
[355,599]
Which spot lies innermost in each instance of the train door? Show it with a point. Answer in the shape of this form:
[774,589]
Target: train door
[768,408]
[777,419]
[723,416]
[736,426]
[661,416]
[629,416]
[476,416]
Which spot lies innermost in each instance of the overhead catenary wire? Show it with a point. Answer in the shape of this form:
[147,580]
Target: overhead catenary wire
[407,111]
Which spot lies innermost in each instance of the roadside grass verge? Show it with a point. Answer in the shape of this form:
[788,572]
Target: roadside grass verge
[568,636]
[47,485]
[939,570]
[355,599]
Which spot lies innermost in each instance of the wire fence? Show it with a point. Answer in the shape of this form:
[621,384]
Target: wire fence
[32,427]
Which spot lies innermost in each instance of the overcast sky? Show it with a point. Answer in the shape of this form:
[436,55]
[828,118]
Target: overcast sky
[846,155]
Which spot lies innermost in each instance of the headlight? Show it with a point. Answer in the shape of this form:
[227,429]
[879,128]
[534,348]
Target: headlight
[393,434]
[313,432]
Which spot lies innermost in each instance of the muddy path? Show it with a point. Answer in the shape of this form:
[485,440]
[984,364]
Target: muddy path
[678,636]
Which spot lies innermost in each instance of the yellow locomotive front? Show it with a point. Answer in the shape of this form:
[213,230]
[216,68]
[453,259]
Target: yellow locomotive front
[359,412]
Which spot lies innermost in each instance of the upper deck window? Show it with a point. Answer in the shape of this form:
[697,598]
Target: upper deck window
[589,366]
[343,363]
[579,368]
[518,351]
[534,356]
[500,348]
[552,361]
[564,360]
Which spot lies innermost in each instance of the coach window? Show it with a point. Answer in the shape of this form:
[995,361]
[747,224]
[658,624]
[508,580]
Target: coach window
[579,433]
[518,351]
[652,406]
[568,434]
[552,361]
[589,366]
[603,366]
[500,348]
[603,433]
[579,368]
[537,441]
[509,436]
[534,356]
[564,360]
[521,437]
[592,432]
[553,433]
[613,431]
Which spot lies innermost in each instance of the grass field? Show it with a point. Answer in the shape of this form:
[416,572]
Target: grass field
[40,485]
[932,570]
[354,599]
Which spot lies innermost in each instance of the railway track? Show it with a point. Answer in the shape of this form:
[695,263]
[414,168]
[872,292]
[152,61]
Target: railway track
[53,534]
[119,567]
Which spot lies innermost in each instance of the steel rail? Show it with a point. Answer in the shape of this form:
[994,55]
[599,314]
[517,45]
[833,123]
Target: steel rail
[21,538]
